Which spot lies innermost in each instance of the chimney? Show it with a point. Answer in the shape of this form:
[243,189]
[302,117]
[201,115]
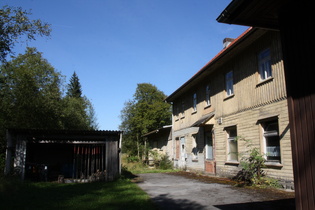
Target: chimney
[227,42]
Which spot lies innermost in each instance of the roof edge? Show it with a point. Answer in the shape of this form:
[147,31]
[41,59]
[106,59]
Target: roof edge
[213,60]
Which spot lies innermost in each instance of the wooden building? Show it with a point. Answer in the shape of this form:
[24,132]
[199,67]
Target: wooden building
[240,92]
[45,155]
[294,21]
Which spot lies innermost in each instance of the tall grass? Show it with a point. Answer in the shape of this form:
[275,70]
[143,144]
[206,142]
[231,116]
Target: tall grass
[120,194]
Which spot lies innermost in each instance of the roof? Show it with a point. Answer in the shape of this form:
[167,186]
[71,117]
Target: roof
[194,79]
[263,14]
[203,120]
[65,135]
[164,129]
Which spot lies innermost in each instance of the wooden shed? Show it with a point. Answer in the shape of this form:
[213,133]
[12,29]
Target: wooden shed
[76,155]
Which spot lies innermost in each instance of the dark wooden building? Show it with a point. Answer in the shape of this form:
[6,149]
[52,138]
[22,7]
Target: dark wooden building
[294,20]
[42,155]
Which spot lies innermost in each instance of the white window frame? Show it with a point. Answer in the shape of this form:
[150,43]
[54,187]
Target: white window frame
[229,83]
[264,64]
[271,151]
[231,157]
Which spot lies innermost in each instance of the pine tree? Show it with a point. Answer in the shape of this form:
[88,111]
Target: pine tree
[74,87]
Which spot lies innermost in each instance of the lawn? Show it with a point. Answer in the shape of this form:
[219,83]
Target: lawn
[120,194]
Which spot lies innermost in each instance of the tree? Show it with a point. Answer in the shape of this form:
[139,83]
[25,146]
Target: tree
[30,95]
[74,87]
[14,24]
[30,92]
[145,112]
[78,110]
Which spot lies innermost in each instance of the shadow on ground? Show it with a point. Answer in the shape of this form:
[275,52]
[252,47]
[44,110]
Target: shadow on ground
[167,203]
[286,204]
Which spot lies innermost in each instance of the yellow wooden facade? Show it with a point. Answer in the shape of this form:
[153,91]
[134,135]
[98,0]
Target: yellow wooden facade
[254,103]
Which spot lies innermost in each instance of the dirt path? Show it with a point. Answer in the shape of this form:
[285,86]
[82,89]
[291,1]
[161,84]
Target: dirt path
[175,191]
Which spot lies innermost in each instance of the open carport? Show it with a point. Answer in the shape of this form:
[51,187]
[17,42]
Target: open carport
[45,155]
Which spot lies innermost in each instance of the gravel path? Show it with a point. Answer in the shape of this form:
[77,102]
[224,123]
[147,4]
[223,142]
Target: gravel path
[178,192]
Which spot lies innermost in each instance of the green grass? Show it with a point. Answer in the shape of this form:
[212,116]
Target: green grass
[120,194]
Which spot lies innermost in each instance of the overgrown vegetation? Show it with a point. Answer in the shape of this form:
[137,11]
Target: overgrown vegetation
[120,194]
[252,163]
[135,166]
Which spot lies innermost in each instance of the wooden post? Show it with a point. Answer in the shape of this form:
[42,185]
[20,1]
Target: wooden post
[8,161]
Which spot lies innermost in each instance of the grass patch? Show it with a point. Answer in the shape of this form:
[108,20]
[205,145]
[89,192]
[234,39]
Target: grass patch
[120,194]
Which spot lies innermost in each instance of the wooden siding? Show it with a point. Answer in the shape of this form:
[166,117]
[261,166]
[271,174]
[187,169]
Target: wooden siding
[298,49]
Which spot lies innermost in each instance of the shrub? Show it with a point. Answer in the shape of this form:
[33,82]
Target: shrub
[252,163]
[165,163]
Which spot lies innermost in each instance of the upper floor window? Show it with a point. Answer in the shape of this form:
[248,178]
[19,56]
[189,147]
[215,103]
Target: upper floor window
[195,102]
[208,102]
[183,108]
[229,83]
[264,64]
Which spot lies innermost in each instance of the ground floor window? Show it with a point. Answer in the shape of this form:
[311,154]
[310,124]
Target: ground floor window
[194,147]
[271,141]
[209,146]
[232,144]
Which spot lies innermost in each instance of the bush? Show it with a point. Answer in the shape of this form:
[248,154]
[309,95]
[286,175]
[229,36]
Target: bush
[252,163]
[132,159]
[165,163]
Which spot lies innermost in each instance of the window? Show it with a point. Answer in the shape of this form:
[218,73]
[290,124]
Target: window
[183,109]
[229,83]
[176,115]
[208,102]
[194,147]
[209,146]
[264,64]
[271,141]
[195,102]
[232,144]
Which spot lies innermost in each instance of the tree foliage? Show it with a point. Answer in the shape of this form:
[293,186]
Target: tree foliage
[145,112]
[74,87]
[30,92]
[15,24]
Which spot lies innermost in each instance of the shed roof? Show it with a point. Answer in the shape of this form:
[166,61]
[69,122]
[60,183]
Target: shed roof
[64,135]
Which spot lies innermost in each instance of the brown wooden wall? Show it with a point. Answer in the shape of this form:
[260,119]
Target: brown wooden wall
[297,33]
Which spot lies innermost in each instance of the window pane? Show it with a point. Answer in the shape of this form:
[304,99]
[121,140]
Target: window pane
[264,63]
[195,102]
[232,144]
[209,146]
[272,141]
[207,95]
[233,150]
[229,83]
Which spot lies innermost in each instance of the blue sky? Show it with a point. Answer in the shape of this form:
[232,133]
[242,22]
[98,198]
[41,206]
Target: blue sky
[115,44]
